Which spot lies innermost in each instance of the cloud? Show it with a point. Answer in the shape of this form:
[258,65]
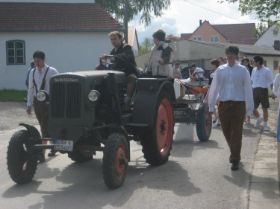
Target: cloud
[183,17]
[165,23]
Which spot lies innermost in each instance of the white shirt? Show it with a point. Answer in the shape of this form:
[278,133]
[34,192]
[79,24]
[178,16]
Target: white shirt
[38,77]
[276,87]
[231,84]
[261,78]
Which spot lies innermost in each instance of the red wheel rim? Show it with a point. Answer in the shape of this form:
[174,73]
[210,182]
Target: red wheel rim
[120,160]
[164,126]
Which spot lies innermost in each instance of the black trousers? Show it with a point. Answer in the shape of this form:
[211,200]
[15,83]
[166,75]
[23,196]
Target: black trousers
[231,114]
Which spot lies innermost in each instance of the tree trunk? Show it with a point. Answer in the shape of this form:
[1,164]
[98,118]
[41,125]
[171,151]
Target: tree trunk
[125,21]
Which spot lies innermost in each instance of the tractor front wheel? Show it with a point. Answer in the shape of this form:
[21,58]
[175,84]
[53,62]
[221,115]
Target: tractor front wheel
[21,163]
[115,160]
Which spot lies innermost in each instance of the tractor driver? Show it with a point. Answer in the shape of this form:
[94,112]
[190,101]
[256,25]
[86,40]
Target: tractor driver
[124,61]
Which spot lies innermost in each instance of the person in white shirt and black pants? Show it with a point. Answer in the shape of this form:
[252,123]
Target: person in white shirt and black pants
[231,86]
[262,80]
[39,79]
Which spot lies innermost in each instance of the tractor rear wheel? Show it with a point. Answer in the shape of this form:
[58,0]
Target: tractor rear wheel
[203,123]
[115,160]
[22,164]
[157,142]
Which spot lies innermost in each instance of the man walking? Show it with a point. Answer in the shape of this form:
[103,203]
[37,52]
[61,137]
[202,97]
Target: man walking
[261,81]
[231,83]
[39,79]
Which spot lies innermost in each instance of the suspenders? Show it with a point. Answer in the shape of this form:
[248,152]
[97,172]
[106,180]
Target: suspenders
[43,81]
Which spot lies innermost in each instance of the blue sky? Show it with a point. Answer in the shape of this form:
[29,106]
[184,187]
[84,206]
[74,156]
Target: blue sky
[183,17]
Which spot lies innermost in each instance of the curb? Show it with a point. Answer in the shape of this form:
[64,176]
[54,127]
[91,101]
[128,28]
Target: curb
[264,189]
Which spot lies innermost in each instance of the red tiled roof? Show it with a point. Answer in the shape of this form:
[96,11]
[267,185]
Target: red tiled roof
[47,17]
[186,36]
[238,33]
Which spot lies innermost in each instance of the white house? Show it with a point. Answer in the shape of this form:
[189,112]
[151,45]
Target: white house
[72,33]
[270,38]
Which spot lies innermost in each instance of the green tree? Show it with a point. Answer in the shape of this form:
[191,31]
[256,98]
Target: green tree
[126,10]
[266,10]
[146,46]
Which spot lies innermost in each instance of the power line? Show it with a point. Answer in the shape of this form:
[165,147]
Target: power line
[210,10]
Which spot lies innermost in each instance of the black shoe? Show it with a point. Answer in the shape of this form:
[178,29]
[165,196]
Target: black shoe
[235,166]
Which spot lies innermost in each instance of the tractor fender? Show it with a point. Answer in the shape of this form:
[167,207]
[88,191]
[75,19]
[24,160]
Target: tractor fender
[32,131]
[146,99]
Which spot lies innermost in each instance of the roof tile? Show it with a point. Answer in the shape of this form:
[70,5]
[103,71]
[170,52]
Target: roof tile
[15,17]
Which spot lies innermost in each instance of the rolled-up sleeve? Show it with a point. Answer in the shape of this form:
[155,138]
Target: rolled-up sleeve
[276,85]
[214,92]
[248,94]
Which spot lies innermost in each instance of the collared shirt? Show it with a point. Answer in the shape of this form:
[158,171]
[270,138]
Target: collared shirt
[231,83]
[38,77]
[276,87]
[261,78]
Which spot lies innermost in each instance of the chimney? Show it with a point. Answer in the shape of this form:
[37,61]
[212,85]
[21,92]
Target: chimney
[200,22]
[276,45]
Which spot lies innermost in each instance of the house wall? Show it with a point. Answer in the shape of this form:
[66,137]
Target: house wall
[205,31]
[190,51]
[268,38]
[135,46]
[197,52]
[64,51]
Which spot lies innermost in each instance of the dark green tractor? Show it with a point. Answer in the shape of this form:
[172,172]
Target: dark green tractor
[87,114]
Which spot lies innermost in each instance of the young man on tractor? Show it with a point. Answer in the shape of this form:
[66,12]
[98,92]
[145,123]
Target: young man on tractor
[160,63]
[123,60]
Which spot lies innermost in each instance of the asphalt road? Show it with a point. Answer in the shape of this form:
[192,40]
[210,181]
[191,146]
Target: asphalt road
[197,176]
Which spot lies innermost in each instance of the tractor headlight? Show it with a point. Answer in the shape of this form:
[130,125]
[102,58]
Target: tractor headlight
[93,95]
[42,96]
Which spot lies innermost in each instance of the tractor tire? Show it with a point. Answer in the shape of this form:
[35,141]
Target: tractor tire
[79,157]
[203,123]
[157,142]
[21,164]
[115,160]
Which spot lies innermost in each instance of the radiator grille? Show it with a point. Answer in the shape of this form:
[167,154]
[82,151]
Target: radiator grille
[66,100]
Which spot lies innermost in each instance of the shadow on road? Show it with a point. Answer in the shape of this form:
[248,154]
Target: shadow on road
[83,184]
[241,179]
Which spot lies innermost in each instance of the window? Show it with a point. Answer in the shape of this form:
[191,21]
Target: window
[15,52]
[197,38]
[214,39]
[275,64]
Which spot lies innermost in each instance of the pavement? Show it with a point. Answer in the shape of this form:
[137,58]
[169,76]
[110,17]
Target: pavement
[13,113]
[197,176]
[264,183]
